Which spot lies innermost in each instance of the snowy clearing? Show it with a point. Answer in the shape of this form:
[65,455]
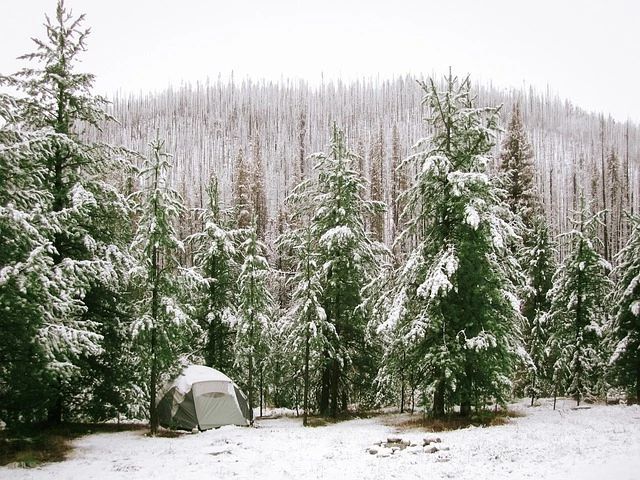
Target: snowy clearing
[591,443]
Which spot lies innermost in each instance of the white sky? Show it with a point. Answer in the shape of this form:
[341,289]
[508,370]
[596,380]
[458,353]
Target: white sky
[586,51]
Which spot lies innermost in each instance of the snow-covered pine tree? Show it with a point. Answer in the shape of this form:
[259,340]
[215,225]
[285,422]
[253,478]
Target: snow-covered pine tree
[215,260]
[533,250]
[255,307]
[538,260]
[258,192]
[451,303]
[349,259]
[89,219]
[306,332]
[377,190]
[623,332]
[578,312]
[516,161]
[26,293]
[242,194]
[398,186]
[162,328]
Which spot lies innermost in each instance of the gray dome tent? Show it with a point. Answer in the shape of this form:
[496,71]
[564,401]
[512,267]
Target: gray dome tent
[202,397]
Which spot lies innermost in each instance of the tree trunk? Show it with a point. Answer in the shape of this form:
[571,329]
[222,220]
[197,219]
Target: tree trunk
[153,380]
[438,400]
[326,385]
[335,378]
[250,389]
[261,389]
[306,379]
[54,415]
[533,390]
[402,382]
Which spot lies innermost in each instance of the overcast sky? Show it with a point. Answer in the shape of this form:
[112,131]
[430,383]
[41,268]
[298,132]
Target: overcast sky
[586,51]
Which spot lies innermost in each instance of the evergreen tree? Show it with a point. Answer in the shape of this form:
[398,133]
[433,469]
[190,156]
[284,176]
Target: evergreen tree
[163,329]
[28,293]
[242,194]
[258,193]
[578,312]
[377,190]
[516,161]
[255,306]
[534,252]
[214,259]
[398,186]
[306,331]
[624,329]
[452,305]
[349,260]
[88,231]
[538,260]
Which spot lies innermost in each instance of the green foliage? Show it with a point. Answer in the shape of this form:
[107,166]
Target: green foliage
[76,244]
[255,307]
[623,331]
[579,312]
[162,328]
[451,315]
[214,255]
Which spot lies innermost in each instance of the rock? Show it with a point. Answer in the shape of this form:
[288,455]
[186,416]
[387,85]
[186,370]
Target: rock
[394,440]
[372,451]
[445,449]
[384,452]
[428,449]
[428,440]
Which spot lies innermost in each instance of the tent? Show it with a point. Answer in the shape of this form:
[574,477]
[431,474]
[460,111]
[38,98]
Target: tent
[202,397]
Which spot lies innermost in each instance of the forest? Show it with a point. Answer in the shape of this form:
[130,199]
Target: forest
[428,244]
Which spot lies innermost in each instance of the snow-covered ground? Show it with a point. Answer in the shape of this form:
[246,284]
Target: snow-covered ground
[602,442]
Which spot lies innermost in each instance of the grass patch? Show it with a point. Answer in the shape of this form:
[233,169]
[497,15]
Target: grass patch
[456,421]
[30,447]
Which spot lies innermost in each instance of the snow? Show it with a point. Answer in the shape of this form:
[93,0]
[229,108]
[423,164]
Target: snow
[595,443]
[198,373]
[471,217]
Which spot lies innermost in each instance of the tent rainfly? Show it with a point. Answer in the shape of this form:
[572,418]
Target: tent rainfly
[202,397]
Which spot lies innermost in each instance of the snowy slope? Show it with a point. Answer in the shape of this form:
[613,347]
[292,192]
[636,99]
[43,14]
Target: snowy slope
[601,442]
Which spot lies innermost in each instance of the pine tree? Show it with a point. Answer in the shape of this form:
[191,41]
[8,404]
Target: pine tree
[452,306]
[255,306]
[163,328]
[377,190]
[398,186]
[578,312]
[624,329]
[534,253]
[214,259]
[258,194]
[242,194]
[349,260]
[516,161]
[89,219]
[307,333]
[538,260]
[26,296]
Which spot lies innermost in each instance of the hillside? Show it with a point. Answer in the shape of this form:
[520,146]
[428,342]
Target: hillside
[280,124]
